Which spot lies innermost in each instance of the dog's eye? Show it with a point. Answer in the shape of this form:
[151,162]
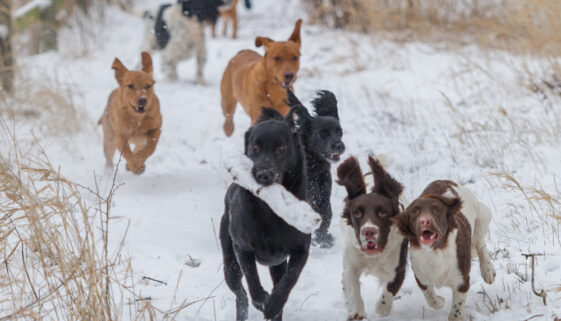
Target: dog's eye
[277,59]
[149,86]
[294,58]
[281,149]
[255,148]
[356,213]
[435,209]
[131,86]
[324,133]
[382,214]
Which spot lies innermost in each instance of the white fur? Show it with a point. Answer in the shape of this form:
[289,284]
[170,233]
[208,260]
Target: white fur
[187,38]
[356,263]
[293,211]
[440,267]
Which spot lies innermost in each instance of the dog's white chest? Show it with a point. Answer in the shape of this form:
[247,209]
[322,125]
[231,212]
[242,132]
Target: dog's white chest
[437,267]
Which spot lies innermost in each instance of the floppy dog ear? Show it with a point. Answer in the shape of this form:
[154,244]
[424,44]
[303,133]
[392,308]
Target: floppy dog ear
[269,113]
[384,184]
[454,204]
[120,70]
[246,141]
[325,104]
[295,36]
[263,41]
[350,176]
[403,222]
[146,62]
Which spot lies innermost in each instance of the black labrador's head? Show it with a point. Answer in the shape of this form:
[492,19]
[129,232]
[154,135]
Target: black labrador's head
[321,133]
[369,214]
[273,146]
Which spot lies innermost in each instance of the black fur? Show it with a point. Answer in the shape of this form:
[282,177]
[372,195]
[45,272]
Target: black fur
[322,139]
[161,29]
[251,232]
[204,10]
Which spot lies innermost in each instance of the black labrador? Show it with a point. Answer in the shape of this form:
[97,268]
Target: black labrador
[322,138]
[251,232]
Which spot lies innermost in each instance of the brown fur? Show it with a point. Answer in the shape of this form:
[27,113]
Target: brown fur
[444,222]
[122,122]
[258,81]
[230,13]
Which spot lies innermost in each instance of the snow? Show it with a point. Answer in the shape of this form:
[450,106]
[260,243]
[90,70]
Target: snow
[435,112]
[293,211]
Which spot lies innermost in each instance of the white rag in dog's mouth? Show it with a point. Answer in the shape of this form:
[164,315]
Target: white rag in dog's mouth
[297,213]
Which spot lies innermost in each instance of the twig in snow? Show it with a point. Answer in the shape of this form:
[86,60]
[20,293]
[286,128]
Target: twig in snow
[541,293]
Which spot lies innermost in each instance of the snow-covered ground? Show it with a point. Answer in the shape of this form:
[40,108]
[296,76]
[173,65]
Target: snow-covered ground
[435,113]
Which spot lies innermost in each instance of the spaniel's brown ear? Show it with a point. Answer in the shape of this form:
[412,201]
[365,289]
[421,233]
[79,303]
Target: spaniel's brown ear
[404,224]
[350,176]
[384,183]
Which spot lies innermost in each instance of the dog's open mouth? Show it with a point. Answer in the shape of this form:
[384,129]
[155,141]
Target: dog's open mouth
[334,157]
[284,85]
[428,237]
[139,109]
[371,248]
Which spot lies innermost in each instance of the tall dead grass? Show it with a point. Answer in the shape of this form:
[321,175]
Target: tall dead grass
[57,261]
[519,25]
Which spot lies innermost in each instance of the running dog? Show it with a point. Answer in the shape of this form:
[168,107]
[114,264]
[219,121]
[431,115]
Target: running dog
[132,116]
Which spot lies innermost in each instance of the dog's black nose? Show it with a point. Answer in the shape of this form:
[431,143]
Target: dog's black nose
[288,76]
[141,101]
[265,177]
[339,147]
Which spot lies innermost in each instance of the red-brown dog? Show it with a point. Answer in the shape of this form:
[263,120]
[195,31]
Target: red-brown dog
[256,81]
[132,116]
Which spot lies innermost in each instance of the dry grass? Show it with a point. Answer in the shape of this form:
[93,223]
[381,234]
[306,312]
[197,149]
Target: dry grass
[520,25]
[57,263]
[49,105]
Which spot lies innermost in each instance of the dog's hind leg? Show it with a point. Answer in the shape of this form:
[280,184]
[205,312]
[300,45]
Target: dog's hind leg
[479,232]
[201,60]
[228,102]
[232,271]
[108,143]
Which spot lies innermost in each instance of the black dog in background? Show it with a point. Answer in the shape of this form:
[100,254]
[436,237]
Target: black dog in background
[251,232]
[322,139]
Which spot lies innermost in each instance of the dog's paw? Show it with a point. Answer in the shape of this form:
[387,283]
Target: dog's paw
[259,301]
[487,271]
[356,316]
[273,306]
[436,302]
[384,306]
[137,169]
[324,241]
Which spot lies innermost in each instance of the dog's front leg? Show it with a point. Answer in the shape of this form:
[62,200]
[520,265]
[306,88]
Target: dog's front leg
[279,295]
[458,306]
[133,163]
[351,289]
[151,141]
[247,263]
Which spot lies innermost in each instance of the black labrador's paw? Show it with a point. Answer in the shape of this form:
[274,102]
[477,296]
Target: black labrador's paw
[273,307]
[259,303]
[324,241]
